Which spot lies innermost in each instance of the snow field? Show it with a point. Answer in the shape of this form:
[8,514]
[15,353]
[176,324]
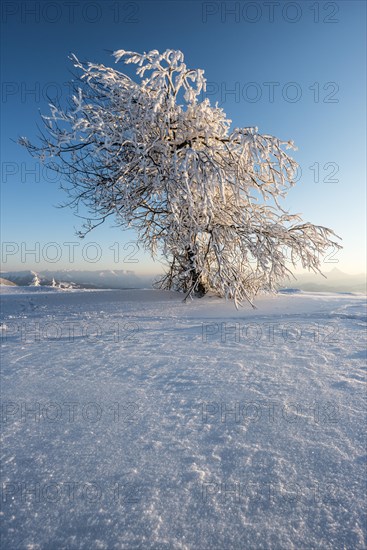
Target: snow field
[132,420]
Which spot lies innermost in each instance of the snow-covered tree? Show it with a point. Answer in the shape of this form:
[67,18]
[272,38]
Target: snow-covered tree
[207,197]
[36,280]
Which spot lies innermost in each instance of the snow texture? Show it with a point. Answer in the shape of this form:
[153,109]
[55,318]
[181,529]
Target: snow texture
[163,425]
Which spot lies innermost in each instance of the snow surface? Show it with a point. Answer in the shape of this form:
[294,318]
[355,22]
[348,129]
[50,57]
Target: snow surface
[163,425]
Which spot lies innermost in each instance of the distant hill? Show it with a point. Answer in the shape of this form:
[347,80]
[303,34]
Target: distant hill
[6,282]
[105,279]
[335,281]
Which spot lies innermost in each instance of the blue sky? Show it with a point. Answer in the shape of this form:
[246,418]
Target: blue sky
[294,69]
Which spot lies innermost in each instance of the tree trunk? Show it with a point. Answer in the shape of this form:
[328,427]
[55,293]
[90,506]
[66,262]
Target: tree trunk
[195,276]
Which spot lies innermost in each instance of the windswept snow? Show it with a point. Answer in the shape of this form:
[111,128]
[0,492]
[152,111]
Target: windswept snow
[131,420]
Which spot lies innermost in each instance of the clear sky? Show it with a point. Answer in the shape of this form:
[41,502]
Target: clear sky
[294,69]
